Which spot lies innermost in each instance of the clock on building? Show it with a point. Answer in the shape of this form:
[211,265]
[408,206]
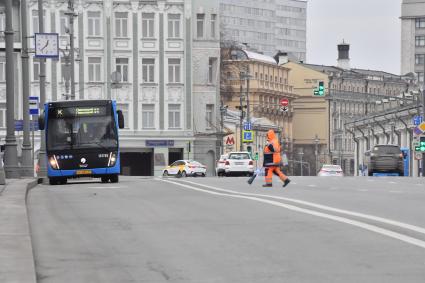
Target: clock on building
[46,45]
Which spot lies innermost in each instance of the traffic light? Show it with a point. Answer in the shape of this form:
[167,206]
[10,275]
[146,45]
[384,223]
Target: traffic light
[249,148]
[320,91]
[421,146]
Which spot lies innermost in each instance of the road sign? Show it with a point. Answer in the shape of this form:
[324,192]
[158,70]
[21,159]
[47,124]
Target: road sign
[421,126]
[33,102]
[418,155]
[284,109]
[284,102]
[417,120]
[19,125]
[247,136]
[247,126]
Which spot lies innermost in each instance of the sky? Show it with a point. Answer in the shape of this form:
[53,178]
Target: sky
[371,27]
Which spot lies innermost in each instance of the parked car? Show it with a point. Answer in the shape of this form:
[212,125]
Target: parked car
[239,163]
[184,168]
[384,159]
[219,169]
[330,170]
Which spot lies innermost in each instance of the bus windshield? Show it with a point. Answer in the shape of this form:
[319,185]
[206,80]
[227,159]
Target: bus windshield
[81,133]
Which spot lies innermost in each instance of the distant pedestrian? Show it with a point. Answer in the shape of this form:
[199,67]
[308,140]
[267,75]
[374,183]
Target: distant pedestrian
[272,160]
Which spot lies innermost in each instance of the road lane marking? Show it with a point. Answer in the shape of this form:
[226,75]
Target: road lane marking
[362,190]
[369,227]
[396,192]
[312,186]
[105,187]
[328,208]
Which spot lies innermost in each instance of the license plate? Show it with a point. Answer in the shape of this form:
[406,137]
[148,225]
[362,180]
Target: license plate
[83,172]
[239,163]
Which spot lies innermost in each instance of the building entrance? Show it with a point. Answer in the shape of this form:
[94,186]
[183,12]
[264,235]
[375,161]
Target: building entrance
[137,163]
[175,154]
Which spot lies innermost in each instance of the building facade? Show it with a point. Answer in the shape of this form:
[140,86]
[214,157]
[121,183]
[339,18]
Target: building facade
[256,84]
[157,59]
[266,26]
[351,94]
[413,37]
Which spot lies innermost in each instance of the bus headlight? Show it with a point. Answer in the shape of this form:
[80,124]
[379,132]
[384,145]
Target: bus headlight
[53,162]
[112,159]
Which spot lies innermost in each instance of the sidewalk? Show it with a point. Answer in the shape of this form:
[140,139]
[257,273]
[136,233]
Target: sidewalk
[16,255]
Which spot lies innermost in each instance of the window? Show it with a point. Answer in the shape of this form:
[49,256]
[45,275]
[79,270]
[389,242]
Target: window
[94,64]
[173,25]
[2,21]
[35,22]
[420,40]
[173,70]
[200,25]
[173,116]
[148,25]
[419,59]
[65,70]
[212,70]
[2,69]
[148,116]
[213,25]
[148,70]
[209,115]
[121,20]
[121,66]
[2,115]
[64,23]
[36,71]
[420,76]
[124,110]
[93,23]
[420,23]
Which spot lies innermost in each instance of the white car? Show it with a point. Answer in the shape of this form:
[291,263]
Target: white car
[330,170]
[184,168]
[219,169]
[239,163]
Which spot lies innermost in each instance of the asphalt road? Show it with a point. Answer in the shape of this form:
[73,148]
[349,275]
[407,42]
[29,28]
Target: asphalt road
[365,229]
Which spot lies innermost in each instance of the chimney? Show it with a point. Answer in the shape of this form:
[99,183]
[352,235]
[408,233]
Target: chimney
[343,55]
[281,58]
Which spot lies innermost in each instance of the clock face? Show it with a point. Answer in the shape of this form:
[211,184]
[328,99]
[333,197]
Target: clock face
[46,45]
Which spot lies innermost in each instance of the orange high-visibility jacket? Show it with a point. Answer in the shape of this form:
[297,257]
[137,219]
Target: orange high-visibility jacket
[272,150]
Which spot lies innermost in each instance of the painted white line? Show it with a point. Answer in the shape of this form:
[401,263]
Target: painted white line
[396,192]
[328,208]
[106,187]
[312,186]
[362,190]
[369,227]
[392,182]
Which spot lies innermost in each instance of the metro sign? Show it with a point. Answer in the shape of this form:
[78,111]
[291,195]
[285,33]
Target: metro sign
[230,140]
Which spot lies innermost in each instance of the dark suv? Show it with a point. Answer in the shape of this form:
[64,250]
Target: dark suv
[385,159]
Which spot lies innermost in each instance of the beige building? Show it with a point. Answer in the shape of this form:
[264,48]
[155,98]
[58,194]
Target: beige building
[310,119]
[258,84]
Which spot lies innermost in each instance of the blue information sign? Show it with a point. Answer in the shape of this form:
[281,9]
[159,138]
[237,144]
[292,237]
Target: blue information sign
[247,126]
[19,125]
[248,136]
[417,120]
[164,143]
[33,105]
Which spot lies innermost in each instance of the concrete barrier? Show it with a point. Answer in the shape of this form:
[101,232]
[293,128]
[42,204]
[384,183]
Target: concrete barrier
[16,253]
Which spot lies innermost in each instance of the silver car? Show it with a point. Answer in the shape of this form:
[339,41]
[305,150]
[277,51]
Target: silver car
[330,170]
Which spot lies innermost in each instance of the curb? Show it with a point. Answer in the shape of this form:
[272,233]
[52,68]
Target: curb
[16,253]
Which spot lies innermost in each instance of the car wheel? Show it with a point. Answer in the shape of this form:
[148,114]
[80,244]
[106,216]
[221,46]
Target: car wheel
[165,174]
[203,174]
[184,175]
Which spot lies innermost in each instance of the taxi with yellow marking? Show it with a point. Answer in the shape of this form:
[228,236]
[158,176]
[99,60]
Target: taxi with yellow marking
[184,168]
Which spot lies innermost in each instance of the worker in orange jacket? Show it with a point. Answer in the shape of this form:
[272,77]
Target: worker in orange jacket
[272,160]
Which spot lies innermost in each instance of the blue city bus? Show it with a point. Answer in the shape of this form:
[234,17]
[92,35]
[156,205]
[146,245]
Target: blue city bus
[82,139]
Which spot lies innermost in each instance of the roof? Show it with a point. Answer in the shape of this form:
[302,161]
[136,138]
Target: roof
[260,57]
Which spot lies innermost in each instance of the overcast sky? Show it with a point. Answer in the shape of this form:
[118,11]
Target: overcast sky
[372,27]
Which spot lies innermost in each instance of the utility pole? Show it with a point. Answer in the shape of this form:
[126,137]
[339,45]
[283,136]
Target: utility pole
[27,160]
[70,13]
[316,151]
[11,152]
[42,152]
[241,116]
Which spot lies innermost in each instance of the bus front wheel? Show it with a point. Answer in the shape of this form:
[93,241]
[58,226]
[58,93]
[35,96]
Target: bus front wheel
[114,178]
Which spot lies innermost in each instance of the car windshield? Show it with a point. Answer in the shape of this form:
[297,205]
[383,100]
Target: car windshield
[387,149]
[239,156]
